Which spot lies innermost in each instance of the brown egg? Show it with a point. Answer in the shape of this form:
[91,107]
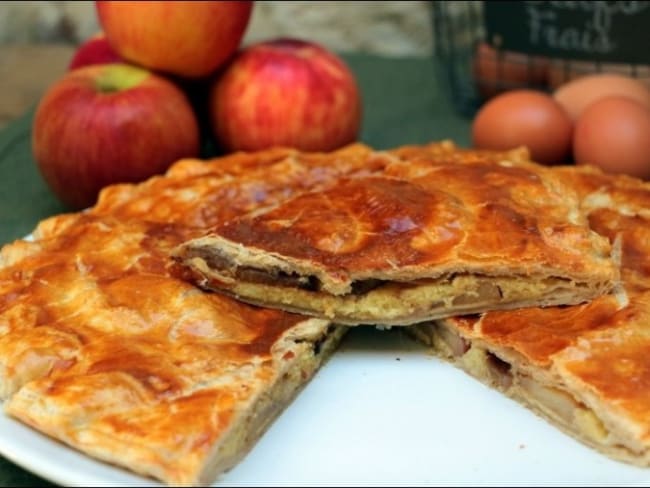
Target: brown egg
[576,95]
[614,134]
[498,71]
[524,118]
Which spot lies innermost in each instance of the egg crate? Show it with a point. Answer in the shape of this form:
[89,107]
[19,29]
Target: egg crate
[485,48]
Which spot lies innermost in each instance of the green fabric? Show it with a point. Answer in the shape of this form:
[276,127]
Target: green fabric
[403,104]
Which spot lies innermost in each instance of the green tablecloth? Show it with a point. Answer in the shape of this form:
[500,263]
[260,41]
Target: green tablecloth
[403,104]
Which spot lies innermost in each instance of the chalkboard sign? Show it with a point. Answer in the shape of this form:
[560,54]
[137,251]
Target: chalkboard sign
[592,31]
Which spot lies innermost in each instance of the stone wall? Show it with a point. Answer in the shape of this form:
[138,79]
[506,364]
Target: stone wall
[397,28]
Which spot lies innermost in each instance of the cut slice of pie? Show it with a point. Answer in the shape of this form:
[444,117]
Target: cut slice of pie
[584,368]
[436,232]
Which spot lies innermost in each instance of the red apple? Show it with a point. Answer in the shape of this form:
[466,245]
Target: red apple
[285,92]
[95,50]
[110,123]
[189,39]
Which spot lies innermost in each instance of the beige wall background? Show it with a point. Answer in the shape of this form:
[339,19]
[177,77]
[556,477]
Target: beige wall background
[395,28]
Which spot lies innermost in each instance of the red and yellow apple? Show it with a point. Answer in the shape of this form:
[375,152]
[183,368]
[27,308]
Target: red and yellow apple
[185,38]
[95,50]
[106,124]
[285,92]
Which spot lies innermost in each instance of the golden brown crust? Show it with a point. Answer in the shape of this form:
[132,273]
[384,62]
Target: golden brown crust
[594,355]
[101,348]
[206,193]
[104,349]
[424,214]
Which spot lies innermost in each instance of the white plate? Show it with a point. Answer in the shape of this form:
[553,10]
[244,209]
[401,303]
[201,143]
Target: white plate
[382,411]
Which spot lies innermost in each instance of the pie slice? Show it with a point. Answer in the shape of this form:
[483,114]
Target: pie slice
[435,232]
[584,368]
[104,349]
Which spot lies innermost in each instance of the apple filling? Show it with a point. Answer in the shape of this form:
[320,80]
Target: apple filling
[271,276]
[367,300]
[549,400]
